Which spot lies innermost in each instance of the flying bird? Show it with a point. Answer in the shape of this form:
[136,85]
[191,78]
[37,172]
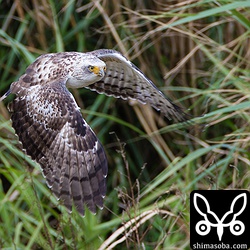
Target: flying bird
[50,127]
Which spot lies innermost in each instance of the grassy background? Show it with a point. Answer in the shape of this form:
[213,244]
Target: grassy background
[197,53]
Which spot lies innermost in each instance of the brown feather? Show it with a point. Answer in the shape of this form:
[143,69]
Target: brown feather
[53,132]
[49,124]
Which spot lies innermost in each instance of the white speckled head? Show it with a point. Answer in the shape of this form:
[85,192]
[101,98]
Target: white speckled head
[85,72]
[76,69]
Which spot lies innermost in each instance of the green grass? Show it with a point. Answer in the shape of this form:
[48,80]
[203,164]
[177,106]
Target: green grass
[197,53]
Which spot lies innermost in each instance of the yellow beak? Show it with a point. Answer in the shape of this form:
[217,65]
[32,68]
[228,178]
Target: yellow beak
[100,71]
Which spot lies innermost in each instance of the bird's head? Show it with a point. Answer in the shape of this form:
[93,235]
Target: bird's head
[86,72]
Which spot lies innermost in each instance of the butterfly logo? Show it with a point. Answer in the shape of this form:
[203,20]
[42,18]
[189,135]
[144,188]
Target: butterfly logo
[210,219]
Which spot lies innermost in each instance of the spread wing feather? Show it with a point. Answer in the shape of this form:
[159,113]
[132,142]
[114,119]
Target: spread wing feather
[124,80]
[53,132]
[50,126]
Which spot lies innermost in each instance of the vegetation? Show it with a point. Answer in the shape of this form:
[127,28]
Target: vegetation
[197,53]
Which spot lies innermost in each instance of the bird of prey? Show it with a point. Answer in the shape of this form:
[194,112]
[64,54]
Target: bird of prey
[52,130]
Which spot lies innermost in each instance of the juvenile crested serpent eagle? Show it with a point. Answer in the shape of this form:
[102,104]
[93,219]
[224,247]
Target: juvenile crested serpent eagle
[52,130]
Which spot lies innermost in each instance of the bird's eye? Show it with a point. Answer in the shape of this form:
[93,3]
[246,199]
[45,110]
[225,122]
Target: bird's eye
[91,68]
[104,68]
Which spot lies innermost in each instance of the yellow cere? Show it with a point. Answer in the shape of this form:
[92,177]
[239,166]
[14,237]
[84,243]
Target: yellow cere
[95,69]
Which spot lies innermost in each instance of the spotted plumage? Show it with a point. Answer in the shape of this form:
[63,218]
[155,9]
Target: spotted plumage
[52,130]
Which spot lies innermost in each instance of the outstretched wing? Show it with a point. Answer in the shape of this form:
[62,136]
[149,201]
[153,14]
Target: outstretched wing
[124,80]
[53,132]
